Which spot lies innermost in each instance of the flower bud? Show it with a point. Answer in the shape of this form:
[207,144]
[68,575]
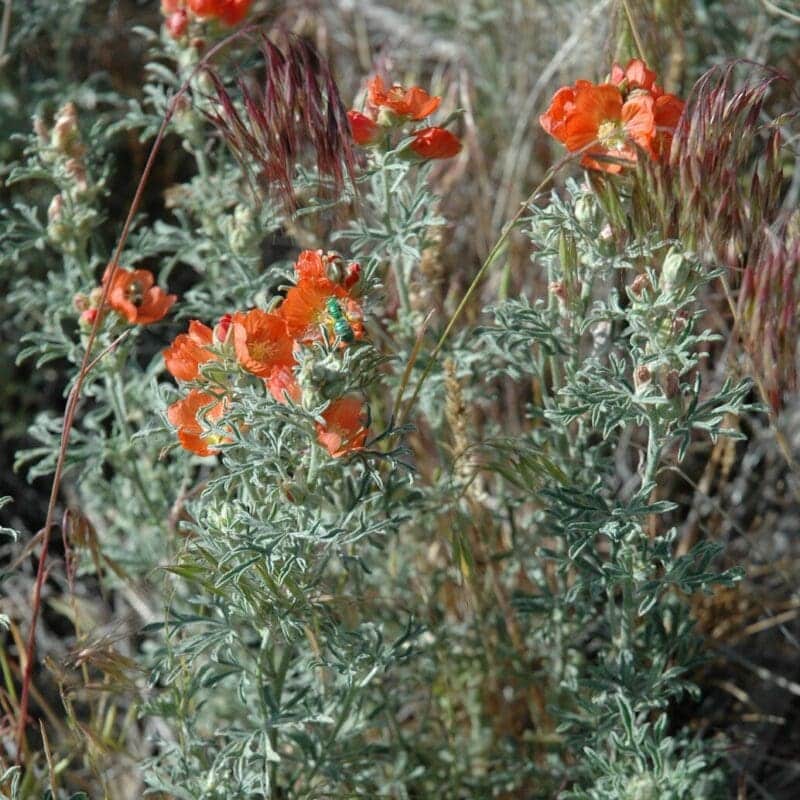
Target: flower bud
[56,208]
[558,289]
[674,270]
[243,235]
[680,322]
[640,283]
[672,384]
[65,136]
[222,329]
[88,317]
[177,23]
[351,275]
[641,378]
[77,171]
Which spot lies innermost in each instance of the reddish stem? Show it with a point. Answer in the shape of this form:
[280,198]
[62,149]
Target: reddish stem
[74,395]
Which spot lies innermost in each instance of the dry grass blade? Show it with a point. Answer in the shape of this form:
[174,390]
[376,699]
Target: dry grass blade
[296,108]
[721,192]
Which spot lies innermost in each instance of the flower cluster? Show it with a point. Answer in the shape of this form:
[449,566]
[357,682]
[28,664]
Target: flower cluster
[228,12]
[392,109]
[610,122]
[266,344]
[132,294]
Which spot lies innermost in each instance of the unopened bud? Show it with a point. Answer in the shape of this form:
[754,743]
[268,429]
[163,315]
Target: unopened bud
[672,384]
[640,283]
[674,271]
[222,329]
[351,275]
[243,235]
[641,377]
[679,322]
[88,317]
[177,23]
[80,302]
[334,266]
[65,136]
[55,209]
[558,289]
[77,171]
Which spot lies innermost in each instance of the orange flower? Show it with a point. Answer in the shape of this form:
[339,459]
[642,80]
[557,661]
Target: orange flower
[311,266]
[306,308]
[261,342]
[667,110]
[188,351]
[231,12]
[316,265]
[413,103]
[365,130]
[435,143]
[596,117]
[563,102]
[133,295]
[282,383]
[631,110]
[635,76]
[191,433]
[343,430]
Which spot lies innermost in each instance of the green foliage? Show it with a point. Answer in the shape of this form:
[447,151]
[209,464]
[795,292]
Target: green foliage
[462,607]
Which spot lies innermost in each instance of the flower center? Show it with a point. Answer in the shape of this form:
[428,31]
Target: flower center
[261,351]
[611,134]
[135,293]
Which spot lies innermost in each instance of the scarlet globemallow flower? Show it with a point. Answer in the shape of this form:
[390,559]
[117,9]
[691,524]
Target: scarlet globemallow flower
[364,129]
[192,434]
[282,383]
[261,341]
[597,117]
[611,119]
[344,428]
[318,265]
[635,76]
[307,307]
[413,104]
[667,110]
[435,143]
[133,295]
[231,12]
[188,351]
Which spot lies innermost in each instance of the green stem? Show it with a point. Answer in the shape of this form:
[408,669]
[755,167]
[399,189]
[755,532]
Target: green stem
[490,259]
[129,466]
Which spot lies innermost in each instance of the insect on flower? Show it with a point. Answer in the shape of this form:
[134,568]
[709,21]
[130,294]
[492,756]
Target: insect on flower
[341,327]
[133,295]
